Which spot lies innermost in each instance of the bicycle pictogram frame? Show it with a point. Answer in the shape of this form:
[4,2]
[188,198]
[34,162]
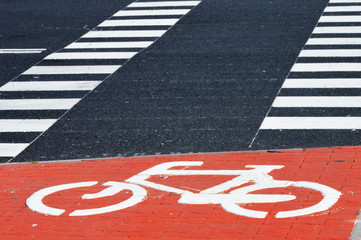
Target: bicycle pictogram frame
[230,201]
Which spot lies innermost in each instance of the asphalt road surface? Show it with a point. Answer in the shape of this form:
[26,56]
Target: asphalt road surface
[205,85]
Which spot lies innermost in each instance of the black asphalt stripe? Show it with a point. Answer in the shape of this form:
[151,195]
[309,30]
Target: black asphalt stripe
[42,94]
[338,24]
[31,114]
[4,159]
[145,17]
[117,39]
[17,137]
[315,112]
[338,46]
[320,92]
[68,77]
[94,50]
[328,59]
[338,35]
[132,28]
[82,62]
[282,139]
[324,75]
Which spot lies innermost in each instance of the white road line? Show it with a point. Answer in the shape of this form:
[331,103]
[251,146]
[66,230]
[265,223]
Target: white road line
[124,33]
[323,83]
[345,1]
[336,19]
[90,55]
[330,53]
[334,41]
[343,9]
[335,30]
[38,104]
[92,45]
[60,70]
[155,12]
[139,22]
[50,86]
[305,123]
[326,67]
[163,4]
[12,149]
[25,125]
[317,101]
[21,50]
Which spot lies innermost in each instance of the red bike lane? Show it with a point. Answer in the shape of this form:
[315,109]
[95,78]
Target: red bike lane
[323,183]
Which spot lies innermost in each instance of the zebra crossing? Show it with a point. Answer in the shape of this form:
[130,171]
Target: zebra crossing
[32,102]
[322,90]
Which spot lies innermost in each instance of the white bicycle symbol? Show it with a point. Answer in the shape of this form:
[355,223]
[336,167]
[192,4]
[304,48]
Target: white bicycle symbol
[258,174]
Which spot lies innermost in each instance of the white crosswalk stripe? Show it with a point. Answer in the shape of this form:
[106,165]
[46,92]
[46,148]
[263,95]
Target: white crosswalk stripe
[61,70]
[90,55]
[322,83]
[161,12]
[102,45]
[25,125]
[163,4]
[340,19]
[337,30]
[139,22]
[38,104]
[49,86]
[12,149]
[331,53]
[308,123]
[96,55]
[318,101]
[343,9]
[124,34]
[345,1]
[334,41]
[322,77]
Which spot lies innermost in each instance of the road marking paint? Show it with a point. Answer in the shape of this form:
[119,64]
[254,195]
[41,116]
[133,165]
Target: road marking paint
[26,125]
[124,34]
[323,83]
[326,67]
[139,22]
[90,55]
[50,86]
[334,41]
[317,101]
[164,4]
[343,9]
[60,70]
[155,12]
[12,149]
[306,123]
[38,104]
[92,45]
[345,1]
[334,30]
[340,19]
[330,53]
[21,50]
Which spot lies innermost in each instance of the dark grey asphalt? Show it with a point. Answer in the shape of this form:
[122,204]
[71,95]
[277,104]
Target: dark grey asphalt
[205,86]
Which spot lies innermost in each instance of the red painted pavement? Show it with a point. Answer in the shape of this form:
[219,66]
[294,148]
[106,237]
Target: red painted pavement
[160,216]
